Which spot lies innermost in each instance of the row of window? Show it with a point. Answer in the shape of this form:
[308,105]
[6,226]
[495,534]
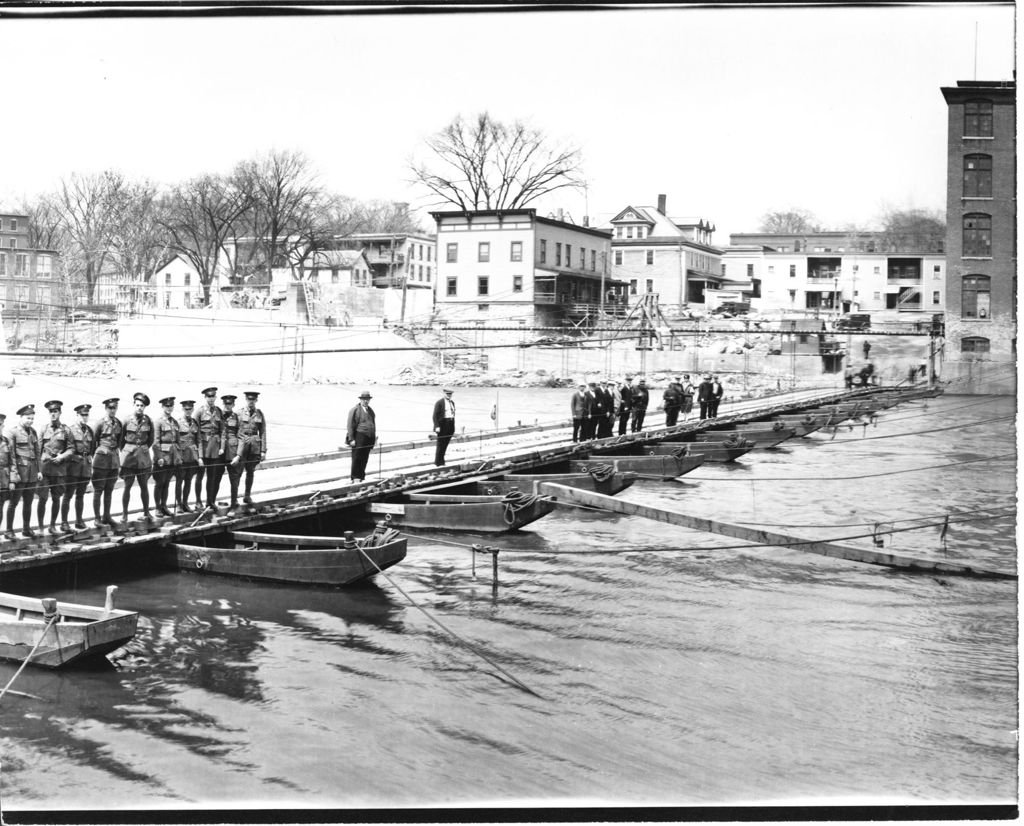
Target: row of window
[648,257]
[978,119]
[483,285]
[44,265]
[641,232]
[515,254]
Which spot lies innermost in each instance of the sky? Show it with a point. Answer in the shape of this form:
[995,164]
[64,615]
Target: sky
[729,112]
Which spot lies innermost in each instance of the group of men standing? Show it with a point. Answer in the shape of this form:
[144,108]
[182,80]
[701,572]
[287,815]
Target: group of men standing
[59,462]
[597,406]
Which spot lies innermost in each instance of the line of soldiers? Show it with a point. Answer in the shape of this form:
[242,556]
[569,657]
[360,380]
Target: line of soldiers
[61,461]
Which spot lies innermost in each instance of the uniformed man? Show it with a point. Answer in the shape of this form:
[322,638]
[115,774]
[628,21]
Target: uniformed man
[232,448]
[252,433]
[361,435]
[166,459]
[188,453]
[105,462]
[25,443]
[8,467]
[79,465]
[211,449]
[56,447]
[137,436]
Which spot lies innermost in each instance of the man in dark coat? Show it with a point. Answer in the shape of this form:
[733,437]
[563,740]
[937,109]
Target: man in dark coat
[361,435]
[597,410]
[606,400]
[444,424]
[641,398]
[672,399]
[625,404]
[705,397]
[717,391]
[580,408]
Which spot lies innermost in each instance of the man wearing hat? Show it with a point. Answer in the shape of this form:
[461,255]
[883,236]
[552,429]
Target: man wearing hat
[641,398]
[188,454]
[211,449]
[232,457]
[83,445]
[688,391]
[361,435]
[25,444]
[579,406]
[717,391]
[596,411]
[137,437]
[56,447]
[625,404]
[8,468]
[105,462]
[672,399]
[252,433]
[444,424]
[165,454]
[705,396]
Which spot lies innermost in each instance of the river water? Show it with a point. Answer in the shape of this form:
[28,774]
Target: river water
[668,667]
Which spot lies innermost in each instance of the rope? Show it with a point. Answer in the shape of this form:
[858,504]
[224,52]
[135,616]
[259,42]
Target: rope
[515,680]
[31,654]
[515,501]
[601,472]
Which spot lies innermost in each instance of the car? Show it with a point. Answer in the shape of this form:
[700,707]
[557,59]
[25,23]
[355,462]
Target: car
[731,308]
[854,321]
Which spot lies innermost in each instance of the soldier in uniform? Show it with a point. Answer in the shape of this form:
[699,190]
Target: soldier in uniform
[136,438]
[166,459]
[252,432]
[232,448]
[25,443]
[57,446]
[79,466]
[188,453]
[8,468]
[211,449]
[105,462]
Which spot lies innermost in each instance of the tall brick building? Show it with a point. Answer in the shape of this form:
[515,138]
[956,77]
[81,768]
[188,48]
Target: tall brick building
[981,238]
[28,276]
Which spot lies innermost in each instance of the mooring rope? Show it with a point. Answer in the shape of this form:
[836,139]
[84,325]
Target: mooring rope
[515,501]
[31,654]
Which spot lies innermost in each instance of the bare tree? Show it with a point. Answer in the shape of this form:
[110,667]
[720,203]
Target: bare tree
[486,164]
[199,219]
[138,241]
[45,227]
[789,221]
[912,230]
[387,216]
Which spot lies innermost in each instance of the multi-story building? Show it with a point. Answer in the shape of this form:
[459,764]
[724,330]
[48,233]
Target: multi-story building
[673,257]
[505,265]
[981,237]
[835,278]
[29,285]
[396,259]
[177,286]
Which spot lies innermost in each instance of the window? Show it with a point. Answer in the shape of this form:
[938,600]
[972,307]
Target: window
[877,296]
[452,285]
[629,232]
[167,279]
[750,270]
[188,279]
[568,255]
[543,251]
[517,251]
[792,270]
[483,308]
[419,254]
[428,270]
[618,257]
[335,278]
[974,344]
[593,260]
[618,232]
[517,283]
[632,286]
[976,296]
[640,232]
[977,235]
[3,263]
[937,269]
[14,224]
[558,254]
[430,254]
[21,264]
[978,119]
[44,266]
[453,253]
[188,299]
[977,176]
[771,268]
[650,257]
[878,270]
[935,297]
[482,284]
[21,296]
[43,296]
[650,285]
[583,258]
[13,243]
[483,254]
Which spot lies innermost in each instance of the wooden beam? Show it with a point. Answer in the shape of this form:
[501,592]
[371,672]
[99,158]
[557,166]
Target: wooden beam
[578,496]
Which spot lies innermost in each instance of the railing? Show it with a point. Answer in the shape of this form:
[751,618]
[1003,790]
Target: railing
[385,257]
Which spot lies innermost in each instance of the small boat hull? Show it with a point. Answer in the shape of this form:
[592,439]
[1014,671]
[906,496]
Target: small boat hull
[710,451]
[663,466]
[284,558]
[80,634]
[609,485]
[441,510]
[763,437]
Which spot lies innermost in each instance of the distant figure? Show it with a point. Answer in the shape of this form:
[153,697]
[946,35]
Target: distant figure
[444,424]
[688,392]
[597,410]
[912,374]
[641,398]
[252,433]
[848,377]
[606,401]
[717,391]
[705,397]
[613,390]
[579,406]
[625,404]
[867,348]
[361,435]
[672,399]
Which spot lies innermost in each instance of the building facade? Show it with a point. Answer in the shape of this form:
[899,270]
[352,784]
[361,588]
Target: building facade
[177,286]
[395,259]
[673,257]
[29,283]
[981,237]
[503,266]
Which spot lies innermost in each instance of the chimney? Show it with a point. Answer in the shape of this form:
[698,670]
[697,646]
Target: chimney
[661,204]
[586,220]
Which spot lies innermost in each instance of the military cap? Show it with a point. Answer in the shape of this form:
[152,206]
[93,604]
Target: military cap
[28,408]
[169,400]
[108,402]
[83,408]
[188,402]
[141,397]
[448,390]
[210,391]
[55,404]
[252,394]
[365,395]
[229,398]
[643,381]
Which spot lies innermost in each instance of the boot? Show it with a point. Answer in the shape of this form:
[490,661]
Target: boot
[26,527]
[65,527]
